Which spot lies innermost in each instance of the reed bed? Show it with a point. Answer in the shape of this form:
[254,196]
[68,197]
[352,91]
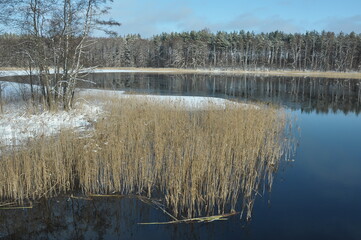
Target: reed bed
[199,162]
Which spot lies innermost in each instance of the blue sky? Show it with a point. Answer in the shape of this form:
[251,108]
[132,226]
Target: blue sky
[152,17]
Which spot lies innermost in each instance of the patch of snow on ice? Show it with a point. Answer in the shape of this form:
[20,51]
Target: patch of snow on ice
[128,71]
[9,73]
[187,102]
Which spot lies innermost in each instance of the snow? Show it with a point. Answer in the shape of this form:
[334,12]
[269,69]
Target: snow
[186,102]
[127,71]
[7,73]
[17,127]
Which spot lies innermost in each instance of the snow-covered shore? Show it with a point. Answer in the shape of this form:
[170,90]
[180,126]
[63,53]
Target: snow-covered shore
[183,102]
[9,73]
[17,126]
[130,71]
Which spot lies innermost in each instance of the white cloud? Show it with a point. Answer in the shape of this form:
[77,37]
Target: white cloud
[251,22]
[151,19]
[346,24]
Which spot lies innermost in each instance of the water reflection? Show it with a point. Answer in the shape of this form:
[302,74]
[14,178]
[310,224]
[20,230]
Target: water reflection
[105,218]
[68,218]
[320,95]
[307,94]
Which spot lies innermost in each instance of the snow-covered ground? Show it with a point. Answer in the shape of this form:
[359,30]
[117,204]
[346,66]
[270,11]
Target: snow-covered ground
[185,102]
[7,73]
[127,71]
[17,126]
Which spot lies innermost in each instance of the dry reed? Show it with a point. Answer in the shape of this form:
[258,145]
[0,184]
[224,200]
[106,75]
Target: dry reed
[199,162]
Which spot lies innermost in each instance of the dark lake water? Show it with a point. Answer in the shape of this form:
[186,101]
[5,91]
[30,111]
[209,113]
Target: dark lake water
[318,196]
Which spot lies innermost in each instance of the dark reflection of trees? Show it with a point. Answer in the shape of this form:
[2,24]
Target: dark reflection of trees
[307,94]
[105,218]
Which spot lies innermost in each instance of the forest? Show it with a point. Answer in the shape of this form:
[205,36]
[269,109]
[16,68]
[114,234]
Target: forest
[311,51]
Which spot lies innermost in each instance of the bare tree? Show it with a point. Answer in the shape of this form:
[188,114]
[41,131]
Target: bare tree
[57,34]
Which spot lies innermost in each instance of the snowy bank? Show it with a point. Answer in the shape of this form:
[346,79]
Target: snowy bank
[9,73]
[128,71]
[186,102]
[17,126]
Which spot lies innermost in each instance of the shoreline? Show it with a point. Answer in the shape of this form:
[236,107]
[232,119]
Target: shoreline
[287,73]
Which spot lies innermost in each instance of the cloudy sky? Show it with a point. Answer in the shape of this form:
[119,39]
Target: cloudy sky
[152,17]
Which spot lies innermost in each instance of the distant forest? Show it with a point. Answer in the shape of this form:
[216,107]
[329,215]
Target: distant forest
[319,51]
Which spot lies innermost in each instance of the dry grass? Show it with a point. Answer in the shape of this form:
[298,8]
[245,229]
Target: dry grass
[199,162]
[287,73]
[11,68]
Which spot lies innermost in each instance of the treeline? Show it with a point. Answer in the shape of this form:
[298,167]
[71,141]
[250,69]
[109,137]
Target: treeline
[319,51]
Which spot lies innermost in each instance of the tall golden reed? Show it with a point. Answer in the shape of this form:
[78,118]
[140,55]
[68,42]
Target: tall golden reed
[199,162]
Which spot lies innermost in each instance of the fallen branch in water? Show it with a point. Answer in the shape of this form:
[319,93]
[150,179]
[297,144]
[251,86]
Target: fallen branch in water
[222,217]
[8,206]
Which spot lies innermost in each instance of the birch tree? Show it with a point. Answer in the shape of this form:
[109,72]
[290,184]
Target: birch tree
[57,36]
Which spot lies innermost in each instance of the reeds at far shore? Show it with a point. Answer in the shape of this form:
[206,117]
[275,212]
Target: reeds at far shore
[199,162]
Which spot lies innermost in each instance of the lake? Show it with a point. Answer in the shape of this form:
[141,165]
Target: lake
[317,196]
